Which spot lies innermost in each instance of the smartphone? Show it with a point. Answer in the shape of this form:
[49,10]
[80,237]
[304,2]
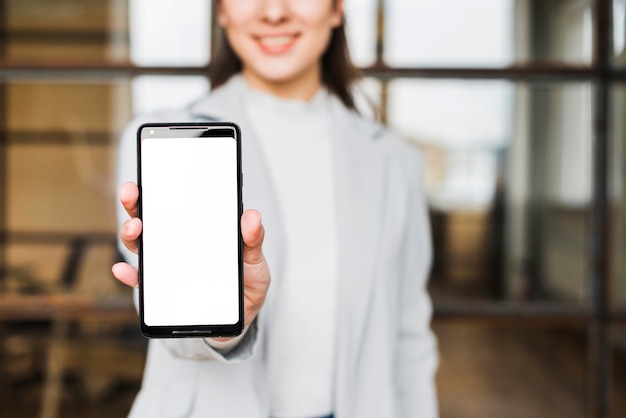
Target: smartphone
[190,249]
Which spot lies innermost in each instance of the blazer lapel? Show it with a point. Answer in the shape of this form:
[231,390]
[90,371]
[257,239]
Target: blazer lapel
[360,173]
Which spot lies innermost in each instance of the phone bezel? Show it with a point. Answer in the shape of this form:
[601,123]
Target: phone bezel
[183,129]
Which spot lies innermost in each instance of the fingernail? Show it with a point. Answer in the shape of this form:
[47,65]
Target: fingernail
[115,268]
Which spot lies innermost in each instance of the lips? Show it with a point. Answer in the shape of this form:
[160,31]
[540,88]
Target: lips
[275,44]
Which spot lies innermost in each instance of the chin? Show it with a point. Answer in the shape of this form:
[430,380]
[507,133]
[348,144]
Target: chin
[277,75]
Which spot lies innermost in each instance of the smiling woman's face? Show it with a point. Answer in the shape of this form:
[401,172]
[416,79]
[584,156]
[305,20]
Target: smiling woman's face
[280,42]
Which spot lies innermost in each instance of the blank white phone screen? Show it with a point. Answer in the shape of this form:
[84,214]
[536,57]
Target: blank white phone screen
[190,231]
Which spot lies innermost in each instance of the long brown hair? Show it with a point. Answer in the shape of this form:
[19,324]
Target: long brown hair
[338,72]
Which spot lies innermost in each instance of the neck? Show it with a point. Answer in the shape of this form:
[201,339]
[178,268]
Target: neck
[297,88]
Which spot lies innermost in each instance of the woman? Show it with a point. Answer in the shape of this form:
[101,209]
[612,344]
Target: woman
[343,330]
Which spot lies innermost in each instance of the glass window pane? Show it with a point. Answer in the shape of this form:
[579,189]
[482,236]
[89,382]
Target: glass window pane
[70,107]
[153,93]
[619,30]
[463,128]
[34,268]
[495,372]
[361,30]
[481,111]
[44,267]
[63,30]
[561,170]
[62,138]
[169,33]
[486,33]
[60,188]
[617,181]
[448,33]
[508,182]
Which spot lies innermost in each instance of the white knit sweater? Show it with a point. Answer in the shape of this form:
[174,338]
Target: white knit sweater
[295,137]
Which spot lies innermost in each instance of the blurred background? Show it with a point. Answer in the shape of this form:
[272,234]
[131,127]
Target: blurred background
[518,106]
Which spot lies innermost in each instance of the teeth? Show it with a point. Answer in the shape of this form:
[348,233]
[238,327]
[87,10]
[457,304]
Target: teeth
[276,40]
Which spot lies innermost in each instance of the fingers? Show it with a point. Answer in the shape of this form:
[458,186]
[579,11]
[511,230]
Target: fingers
[253,233]
[129,195]
[129,233]
[126,274]
[131,229]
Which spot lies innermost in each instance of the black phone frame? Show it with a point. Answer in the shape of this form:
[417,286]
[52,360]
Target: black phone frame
[193,330]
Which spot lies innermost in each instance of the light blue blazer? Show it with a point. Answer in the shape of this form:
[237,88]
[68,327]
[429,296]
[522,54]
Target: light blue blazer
[386,354]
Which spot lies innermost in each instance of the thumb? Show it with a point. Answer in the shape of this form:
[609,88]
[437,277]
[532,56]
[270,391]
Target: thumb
[253,233]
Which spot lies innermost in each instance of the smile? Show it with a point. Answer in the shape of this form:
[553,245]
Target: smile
[276,44]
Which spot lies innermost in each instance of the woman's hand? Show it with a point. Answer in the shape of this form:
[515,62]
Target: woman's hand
[256,274]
